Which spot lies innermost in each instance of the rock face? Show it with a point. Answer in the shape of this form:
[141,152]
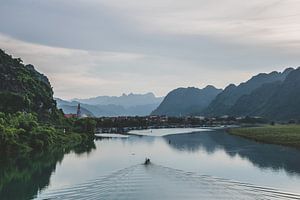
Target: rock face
[22,88]
[224,102]
[186,101]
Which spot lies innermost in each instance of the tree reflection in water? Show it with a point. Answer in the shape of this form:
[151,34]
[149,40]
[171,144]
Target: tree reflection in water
[23,176]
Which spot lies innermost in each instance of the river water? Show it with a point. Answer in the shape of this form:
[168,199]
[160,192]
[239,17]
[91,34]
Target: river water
[185,164]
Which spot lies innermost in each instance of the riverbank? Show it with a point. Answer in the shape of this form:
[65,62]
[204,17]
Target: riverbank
[287,135]
[23,133]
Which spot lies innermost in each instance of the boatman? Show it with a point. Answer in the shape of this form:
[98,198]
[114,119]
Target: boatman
[147,161]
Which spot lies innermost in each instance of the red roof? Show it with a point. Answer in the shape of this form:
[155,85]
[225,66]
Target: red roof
[70,115]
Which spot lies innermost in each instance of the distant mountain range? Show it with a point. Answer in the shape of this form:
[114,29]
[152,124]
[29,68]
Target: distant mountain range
[130,100]
[71,107]
[275,96]
[186,101]
[125,105]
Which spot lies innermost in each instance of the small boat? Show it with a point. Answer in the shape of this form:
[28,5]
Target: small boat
[147,161]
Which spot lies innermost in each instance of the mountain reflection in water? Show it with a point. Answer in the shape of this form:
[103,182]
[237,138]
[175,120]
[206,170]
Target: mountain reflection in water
[107,167]
[261,155]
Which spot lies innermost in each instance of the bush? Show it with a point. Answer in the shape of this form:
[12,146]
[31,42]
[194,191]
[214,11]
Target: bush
[12,102]
[85,125]
[22,132]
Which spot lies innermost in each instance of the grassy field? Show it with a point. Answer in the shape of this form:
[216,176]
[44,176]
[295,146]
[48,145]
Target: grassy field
[288,135]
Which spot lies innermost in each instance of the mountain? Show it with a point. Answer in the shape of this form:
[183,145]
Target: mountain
[126,101]
[277,101]
[29,119]
[284,103]
[186,101]
[222,104]
[254,103]
[24,89]
[109,110]
[71,108]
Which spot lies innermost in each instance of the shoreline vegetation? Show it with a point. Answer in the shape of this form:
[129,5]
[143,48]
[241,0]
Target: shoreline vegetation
[29,118]
[286,135]
[24,133]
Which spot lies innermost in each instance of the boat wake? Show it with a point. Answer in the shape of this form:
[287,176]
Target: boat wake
[158,182]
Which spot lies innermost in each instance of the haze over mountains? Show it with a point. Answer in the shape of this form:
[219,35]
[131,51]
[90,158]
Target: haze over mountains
[274,95]
[124,100]
[278,100]
[125,105]
[226,100]
[186,101]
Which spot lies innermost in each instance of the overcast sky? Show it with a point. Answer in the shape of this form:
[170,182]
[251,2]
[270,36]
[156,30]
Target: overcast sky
[109,47]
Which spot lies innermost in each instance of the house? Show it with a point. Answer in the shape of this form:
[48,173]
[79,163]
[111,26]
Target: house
[70,116]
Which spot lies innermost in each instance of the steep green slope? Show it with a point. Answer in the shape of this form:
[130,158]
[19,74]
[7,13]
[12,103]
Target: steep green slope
[285,103]
[277,101]
[222,104]
[29,119]
[253,104]
[24,89]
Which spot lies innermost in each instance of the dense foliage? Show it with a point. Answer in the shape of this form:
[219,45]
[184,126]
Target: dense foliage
[29,118]
[21,132]
[22,88]
[34,134]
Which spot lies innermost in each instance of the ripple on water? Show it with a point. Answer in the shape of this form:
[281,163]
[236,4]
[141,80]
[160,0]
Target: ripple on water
[159,182]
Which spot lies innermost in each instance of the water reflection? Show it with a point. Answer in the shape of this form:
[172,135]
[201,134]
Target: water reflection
[261,155]
[213,153]
[23,176]
[143,181]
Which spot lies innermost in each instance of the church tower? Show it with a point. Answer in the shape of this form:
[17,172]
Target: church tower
[78,111]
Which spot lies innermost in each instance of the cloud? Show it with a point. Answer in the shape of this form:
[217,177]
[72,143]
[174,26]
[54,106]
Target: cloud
[140,25]
[107,47]
[69,68]
[269,21]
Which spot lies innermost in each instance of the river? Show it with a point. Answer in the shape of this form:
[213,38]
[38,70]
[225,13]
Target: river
[185,163]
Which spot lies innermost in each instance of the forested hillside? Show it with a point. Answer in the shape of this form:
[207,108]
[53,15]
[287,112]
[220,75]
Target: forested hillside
[29,119]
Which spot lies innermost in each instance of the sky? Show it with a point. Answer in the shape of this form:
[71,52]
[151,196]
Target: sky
[109,47]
